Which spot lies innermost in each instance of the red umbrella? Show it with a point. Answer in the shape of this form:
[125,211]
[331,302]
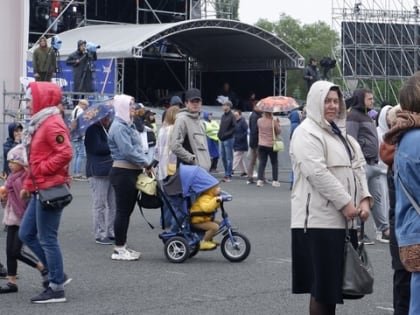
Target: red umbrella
[276,104]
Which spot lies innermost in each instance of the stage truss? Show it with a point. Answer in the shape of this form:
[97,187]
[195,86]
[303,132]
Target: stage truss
[379,44]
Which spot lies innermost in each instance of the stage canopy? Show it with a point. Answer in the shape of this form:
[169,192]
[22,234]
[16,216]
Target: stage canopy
[216,44]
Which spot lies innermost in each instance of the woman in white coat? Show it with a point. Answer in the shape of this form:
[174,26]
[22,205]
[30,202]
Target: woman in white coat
[330,188]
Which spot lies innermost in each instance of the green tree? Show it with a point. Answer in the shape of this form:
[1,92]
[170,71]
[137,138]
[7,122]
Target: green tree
[310,40]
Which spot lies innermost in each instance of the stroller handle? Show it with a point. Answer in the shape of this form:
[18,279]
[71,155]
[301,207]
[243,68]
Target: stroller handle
[226,196]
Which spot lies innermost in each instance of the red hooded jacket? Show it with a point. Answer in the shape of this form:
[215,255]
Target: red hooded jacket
[50,148]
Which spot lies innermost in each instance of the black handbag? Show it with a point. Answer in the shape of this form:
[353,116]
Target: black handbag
[56,197]
[149,201]
[357,269]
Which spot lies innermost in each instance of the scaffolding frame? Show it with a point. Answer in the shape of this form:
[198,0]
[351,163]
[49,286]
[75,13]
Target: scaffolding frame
[379,44]
[191,10]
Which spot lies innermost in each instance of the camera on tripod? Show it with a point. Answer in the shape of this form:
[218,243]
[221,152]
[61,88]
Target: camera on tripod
[91,47]
[56,42]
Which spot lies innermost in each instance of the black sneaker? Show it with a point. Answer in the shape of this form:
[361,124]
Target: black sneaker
[49,296]
[9,288]
[104,241]
[3,273]
[67,280]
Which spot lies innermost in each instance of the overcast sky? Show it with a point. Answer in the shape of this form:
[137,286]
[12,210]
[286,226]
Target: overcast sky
[305,11]
[311,11]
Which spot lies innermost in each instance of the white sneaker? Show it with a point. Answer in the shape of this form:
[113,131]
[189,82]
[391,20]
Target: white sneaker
[134,252]
[275,183]
[123,253]
[260,183]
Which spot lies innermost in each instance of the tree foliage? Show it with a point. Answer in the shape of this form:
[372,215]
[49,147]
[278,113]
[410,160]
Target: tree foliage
[310,40]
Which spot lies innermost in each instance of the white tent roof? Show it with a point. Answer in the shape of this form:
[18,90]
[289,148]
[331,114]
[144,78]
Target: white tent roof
[211,41]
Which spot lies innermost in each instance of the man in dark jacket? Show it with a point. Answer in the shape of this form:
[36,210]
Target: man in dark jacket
[225,135]
[363,129]
[311,73]
[240,144]
[253,142]
[98,166]
[81,61]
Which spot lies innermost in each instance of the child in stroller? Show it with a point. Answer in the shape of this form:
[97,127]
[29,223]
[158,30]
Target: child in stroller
[192,196]
[202,213]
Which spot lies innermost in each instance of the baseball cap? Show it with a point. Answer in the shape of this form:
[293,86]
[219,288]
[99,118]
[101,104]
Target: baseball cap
[192,94]
[175,100]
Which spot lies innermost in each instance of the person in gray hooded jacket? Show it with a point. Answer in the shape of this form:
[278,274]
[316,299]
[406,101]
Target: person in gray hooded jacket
[188,139]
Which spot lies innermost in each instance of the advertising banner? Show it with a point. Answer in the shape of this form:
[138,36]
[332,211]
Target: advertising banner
[103,80]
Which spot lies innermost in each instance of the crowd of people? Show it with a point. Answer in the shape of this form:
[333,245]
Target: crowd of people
[344,165]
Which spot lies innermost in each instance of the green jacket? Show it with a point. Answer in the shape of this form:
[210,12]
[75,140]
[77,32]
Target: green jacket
[44,60]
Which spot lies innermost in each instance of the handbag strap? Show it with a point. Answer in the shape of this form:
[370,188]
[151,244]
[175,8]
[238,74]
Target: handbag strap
[141,210]
[274,133]
[361,236]
[409,196]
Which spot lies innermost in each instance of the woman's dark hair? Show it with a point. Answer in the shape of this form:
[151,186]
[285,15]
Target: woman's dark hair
[410,94]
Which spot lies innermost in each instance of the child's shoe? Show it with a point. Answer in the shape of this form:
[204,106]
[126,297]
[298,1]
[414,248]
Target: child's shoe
[214,242]
[9,288]
[206,245]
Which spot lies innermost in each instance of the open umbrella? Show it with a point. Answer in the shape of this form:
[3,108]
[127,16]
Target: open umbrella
[277,104]
[92,115]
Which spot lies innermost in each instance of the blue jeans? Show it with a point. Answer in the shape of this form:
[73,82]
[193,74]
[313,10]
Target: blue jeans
[227,156]
[103,206]
[79,155]
[39,231]
[378,188]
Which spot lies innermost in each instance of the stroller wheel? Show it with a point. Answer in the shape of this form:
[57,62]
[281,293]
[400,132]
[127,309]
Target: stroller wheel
[235,250]
[177,249]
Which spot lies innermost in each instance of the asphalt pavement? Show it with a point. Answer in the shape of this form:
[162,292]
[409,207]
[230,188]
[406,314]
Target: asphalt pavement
[206,284]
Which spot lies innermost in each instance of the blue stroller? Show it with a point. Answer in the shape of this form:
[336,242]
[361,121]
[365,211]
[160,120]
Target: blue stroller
[189,182]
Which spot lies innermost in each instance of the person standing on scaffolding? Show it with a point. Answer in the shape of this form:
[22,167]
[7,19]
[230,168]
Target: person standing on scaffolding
[81,60]
[44,61]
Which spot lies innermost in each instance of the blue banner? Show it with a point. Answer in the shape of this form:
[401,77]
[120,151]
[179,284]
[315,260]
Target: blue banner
[103,76]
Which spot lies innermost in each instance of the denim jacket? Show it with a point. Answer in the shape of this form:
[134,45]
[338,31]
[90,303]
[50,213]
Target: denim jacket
[124,143]
[407,168]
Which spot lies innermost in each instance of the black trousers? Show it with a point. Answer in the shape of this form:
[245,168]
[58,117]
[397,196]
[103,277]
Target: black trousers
[14,251]
[124,182]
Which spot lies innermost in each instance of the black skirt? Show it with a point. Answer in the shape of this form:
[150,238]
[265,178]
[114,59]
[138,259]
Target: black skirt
[317,263]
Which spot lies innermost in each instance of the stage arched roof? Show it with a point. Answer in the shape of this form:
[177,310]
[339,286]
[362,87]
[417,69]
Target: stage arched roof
[216,44]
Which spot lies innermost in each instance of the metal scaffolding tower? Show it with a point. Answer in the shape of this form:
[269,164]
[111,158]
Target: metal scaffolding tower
[379,43]
[184,10]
